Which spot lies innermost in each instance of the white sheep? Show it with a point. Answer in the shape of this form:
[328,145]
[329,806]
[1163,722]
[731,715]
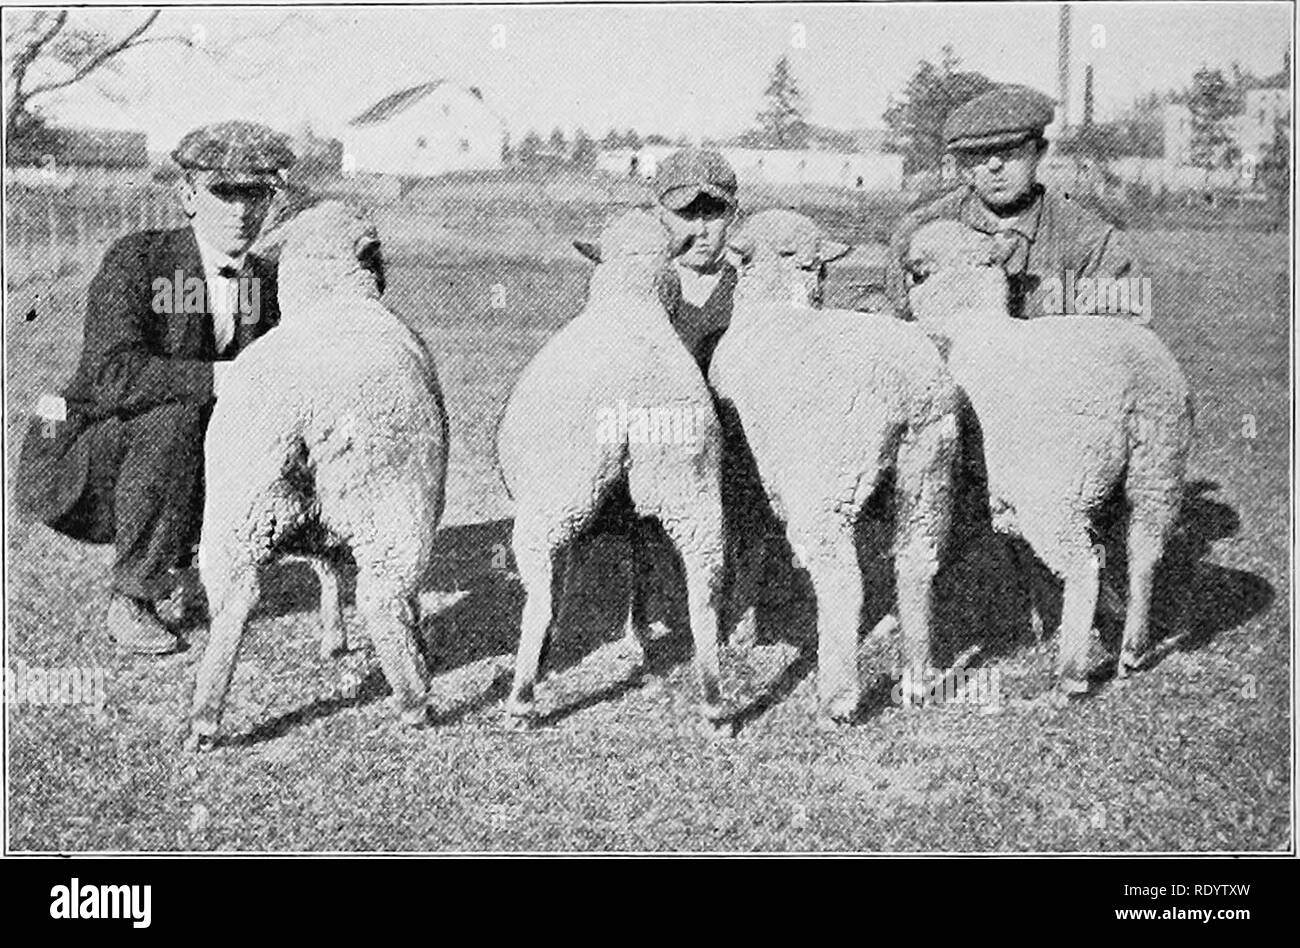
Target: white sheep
[329,432]
[614,406]
[1070,409]
[830,402]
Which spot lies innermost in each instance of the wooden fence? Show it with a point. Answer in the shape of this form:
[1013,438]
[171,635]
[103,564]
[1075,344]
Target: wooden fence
[51,229]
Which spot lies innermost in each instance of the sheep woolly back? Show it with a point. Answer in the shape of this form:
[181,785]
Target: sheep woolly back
[633,249]
[958,270]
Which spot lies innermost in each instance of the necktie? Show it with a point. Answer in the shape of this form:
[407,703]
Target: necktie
[224,306]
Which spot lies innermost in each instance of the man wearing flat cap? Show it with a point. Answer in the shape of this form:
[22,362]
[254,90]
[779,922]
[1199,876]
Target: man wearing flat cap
[118,458]
[696,190]
[997,141]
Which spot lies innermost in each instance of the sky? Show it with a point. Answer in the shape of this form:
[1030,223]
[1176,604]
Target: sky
[692,69]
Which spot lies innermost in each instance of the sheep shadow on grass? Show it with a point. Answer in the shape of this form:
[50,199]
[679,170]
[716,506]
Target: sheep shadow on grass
[983,599]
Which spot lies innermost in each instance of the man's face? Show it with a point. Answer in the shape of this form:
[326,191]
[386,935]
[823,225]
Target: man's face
[1002,175]
[227,216]
[699,231]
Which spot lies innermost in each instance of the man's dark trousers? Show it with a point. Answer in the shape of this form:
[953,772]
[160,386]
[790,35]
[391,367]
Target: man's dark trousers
[126,467]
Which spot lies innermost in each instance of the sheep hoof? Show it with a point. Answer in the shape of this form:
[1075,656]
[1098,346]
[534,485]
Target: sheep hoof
[333,651]
[202,737]
[631,650]
[1068,687]
[415,717]
[520,716]
[1128,662]
[840,711]
[520,723]
[830,722]
[716,724]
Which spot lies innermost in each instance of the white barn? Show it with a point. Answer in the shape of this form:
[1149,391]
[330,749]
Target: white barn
[422,131]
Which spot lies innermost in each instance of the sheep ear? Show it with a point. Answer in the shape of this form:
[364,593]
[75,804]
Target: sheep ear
[741,248]
[365,243]
[917,266]
[830,250]
[589,249]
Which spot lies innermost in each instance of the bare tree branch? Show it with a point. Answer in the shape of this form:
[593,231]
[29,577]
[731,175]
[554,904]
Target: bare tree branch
[97,60]
[23,60]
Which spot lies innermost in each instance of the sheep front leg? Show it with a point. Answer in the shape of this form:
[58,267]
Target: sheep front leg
[334,633]
[233,606]
[390,619]
[698,539]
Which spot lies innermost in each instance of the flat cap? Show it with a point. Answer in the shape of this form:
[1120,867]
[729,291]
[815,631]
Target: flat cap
[686,174]
[237,152]
[1004,115]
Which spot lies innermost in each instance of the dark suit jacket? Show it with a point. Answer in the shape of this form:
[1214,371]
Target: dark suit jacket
[135,356]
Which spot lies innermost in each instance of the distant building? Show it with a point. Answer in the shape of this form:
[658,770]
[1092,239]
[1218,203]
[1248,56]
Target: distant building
[99,148]
[1177,121]
[1250,132]
[859,171]
[633,162]
[871,170]
[1255,126]
[422,131]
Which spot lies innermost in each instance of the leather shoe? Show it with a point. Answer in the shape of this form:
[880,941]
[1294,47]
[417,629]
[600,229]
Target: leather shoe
[134,627]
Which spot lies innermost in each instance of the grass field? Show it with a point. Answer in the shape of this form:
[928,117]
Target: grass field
[1191,755]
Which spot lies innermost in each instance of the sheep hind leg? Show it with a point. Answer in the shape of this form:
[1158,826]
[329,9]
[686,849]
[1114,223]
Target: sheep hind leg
[1026,567]
[1145,546]
[334,632]
[701,553]
[390,619]
[1081,573]
[229,622]
[837,583]
[641,573]
[541,610]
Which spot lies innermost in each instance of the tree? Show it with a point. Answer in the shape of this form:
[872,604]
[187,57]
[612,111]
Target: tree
[1275,165]
[506,154]
[1087,96]
[46,52]
[584,150]
[654,138]
[612,139]
[782,120]
[526,153]
[556,142]
[1211,103]
[916,118]
[631,139]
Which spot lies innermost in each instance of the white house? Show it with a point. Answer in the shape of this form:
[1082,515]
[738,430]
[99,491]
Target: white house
[1255,126]
[422,131]
[1251,130]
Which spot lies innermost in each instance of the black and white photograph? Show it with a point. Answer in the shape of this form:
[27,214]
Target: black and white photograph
[649,428]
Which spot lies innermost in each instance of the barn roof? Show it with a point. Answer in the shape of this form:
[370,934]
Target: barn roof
[400,101]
